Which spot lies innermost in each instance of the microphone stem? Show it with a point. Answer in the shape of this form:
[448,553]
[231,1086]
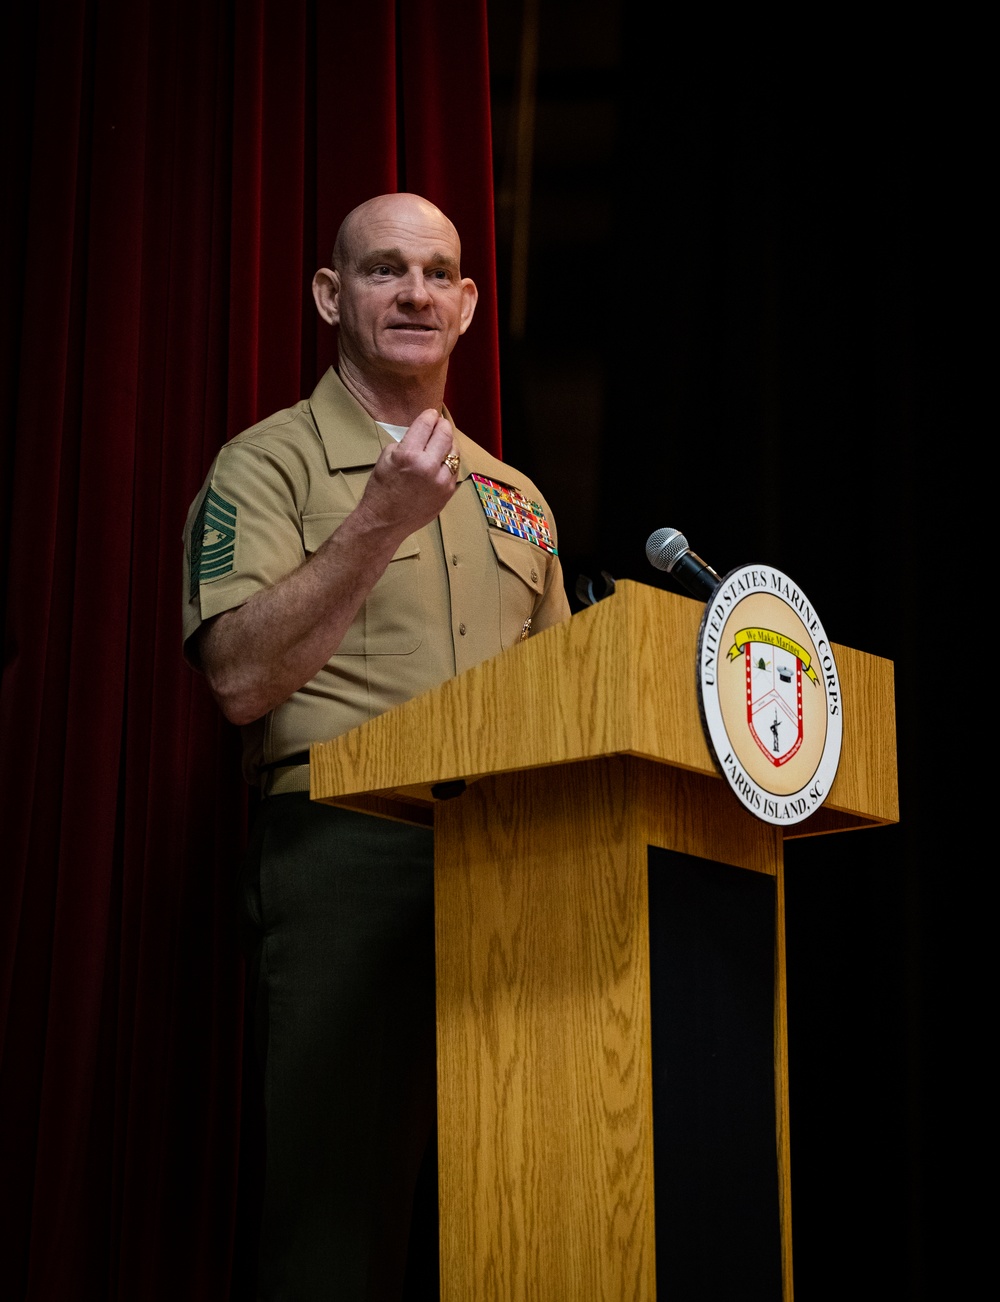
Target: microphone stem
[699,579]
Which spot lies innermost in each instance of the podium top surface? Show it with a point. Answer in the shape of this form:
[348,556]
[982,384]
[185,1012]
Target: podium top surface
[619,678]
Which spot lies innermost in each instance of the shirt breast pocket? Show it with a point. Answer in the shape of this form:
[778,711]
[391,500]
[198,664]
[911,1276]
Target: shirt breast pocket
[521,572]
[390,620]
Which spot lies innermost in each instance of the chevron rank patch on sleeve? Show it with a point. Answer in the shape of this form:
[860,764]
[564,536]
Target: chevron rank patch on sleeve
[213,540]
[511,511]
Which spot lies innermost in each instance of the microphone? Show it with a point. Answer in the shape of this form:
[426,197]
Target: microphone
[667,549]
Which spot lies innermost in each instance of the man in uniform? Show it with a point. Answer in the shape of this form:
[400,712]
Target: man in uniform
[343,556]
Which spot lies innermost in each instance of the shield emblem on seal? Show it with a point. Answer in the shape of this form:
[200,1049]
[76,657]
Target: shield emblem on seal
[774,700]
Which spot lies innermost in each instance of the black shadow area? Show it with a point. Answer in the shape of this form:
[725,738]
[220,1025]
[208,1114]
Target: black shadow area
[712,993]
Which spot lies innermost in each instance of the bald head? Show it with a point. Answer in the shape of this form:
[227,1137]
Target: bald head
[399,301]
[386,212]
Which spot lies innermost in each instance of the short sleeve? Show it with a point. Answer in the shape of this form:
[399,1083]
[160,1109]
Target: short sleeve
[243,531]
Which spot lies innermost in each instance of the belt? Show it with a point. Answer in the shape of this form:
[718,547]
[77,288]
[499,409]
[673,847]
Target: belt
[283,776]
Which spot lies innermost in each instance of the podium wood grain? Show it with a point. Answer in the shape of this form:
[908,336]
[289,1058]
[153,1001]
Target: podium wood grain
[617,678]
[581,748]
[544,1073]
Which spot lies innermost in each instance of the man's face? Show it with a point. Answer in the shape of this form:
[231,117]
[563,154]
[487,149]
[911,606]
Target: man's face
[400,301]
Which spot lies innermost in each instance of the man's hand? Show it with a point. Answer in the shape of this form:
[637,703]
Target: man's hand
[411,484]
[258,654]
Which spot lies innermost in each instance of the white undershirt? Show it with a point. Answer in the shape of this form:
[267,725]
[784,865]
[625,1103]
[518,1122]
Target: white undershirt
[394,431]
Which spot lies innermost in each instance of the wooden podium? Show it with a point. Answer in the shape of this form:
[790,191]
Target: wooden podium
[581,749]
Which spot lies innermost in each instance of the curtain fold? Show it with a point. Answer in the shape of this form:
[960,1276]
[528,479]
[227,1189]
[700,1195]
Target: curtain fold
[181,169]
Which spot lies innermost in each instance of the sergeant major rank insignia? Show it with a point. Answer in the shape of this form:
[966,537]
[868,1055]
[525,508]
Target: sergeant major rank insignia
[511,511]
[213,540]
[770,694]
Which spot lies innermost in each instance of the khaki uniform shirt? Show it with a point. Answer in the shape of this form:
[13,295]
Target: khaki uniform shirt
[455,593]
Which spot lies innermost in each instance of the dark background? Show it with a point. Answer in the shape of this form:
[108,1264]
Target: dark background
[737,254]
[741,274]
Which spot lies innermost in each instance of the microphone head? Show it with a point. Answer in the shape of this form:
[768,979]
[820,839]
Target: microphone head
[664,548]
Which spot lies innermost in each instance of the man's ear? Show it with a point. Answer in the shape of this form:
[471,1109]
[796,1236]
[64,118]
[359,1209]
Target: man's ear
[470,297]
[326,292]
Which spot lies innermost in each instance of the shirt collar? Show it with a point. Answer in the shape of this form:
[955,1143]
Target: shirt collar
[351,438]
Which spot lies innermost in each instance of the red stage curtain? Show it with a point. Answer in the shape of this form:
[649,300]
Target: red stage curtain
[176,171]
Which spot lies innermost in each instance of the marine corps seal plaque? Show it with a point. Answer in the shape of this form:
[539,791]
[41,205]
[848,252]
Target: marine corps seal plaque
[769,694]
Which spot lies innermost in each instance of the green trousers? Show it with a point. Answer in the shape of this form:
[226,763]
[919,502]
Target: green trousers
[338,915]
